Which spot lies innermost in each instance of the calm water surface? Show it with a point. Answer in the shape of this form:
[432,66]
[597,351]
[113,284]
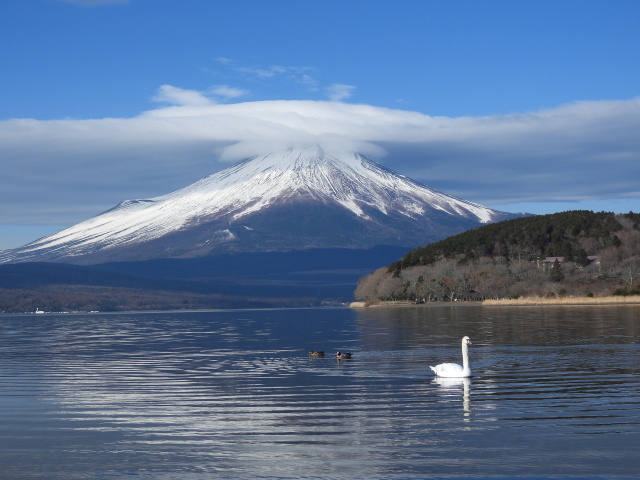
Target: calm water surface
[233,394]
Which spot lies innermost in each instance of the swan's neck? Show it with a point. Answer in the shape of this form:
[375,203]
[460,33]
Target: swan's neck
[465,356]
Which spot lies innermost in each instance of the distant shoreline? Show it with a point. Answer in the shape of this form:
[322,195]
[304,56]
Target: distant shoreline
[411,304]
[524,301]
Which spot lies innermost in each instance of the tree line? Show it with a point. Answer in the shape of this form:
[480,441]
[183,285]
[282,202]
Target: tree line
[86,298]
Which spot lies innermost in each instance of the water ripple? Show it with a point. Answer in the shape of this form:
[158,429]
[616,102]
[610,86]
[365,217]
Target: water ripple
[185,395]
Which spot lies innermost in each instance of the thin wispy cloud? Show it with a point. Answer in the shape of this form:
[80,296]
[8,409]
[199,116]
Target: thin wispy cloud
[196,98]
[72,169]
[301,75]
[279,74]
[298,74]
[180,96]
[226,93]
[337,92]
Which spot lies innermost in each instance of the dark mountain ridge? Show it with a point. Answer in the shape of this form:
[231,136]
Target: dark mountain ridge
[242,280]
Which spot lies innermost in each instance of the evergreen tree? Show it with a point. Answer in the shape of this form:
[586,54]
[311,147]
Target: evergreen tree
[556,271]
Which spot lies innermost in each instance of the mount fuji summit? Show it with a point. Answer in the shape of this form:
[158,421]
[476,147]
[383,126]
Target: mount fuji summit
[292,200]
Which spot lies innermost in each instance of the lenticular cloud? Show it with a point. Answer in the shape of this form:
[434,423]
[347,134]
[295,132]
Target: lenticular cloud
[294,122]
[71,169]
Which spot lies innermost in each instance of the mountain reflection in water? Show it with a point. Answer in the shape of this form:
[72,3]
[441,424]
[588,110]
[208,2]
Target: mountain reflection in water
[235,394]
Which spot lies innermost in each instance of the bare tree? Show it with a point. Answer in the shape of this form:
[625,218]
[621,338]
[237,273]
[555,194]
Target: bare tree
[369,286]
[629,271]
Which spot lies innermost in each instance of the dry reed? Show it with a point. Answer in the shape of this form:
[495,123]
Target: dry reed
[617,300]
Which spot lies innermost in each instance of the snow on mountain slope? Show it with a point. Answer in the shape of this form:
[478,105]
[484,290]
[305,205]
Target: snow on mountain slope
[234,196]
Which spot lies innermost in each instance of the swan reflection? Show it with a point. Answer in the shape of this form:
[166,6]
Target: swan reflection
[451,385]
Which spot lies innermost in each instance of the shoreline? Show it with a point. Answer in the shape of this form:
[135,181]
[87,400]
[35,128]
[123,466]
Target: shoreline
[517,302]
[411,304]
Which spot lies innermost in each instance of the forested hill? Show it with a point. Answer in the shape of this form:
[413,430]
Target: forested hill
[555,235]
[598,252]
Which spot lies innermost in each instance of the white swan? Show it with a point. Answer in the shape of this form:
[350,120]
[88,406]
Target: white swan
[453,370]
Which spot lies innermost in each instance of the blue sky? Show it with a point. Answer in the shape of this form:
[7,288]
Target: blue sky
[518,105]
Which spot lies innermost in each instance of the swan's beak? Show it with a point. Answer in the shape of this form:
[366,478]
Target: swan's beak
[469,342]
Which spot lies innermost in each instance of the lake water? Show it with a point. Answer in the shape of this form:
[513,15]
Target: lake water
[234,394]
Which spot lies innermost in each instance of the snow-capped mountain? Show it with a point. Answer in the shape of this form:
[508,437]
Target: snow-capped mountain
[296,199]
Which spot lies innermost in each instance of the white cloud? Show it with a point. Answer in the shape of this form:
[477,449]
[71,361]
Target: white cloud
[195,98]
[299,74]
[63,171]
[180,96]
[225,92]
[337,92]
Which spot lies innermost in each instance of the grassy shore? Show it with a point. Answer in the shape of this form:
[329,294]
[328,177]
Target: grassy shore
[523,301]
[617,300]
